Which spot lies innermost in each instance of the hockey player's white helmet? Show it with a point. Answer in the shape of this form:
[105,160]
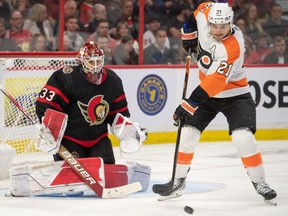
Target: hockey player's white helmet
[221,13]
[91,57]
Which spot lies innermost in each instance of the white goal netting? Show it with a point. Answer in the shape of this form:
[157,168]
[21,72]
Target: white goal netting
[23,77]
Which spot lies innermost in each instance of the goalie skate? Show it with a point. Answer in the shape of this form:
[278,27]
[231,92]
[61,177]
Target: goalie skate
[170,190]
[266,192]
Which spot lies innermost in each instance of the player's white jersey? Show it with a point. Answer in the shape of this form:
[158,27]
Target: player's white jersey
[222,73]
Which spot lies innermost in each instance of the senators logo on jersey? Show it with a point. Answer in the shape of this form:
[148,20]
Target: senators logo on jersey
[95,111]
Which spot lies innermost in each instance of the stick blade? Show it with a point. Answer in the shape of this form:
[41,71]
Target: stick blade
[121,191]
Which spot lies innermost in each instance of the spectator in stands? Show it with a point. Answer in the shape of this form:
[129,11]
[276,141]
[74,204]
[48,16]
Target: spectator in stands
[113,8]
[21,36]
[125,53]
[66,43]
[239,8]
[102,41]
[38,23]
[240,23]
[153,24]
[275,25]
[52,10]
[71,26]
[174,31]
[262,44]
[121,30]
[4,10]
[128,16]
[263,7]
[175,24]
[102,29]
[251,56]
[157,52]
[85,13]
[38,43]
[252,22]
[98,12]
[6,43]
[278,56]
[23,6]
[70,10]
[156,7]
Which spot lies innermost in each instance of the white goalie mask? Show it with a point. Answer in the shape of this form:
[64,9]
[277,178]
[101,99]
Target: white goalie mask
[91,57]
[221,13]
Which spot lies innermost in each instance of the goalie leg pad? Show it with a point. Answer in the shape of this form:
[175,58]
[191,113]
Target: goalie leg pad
[6,157]
[139,173]
[26,180]
[53,178]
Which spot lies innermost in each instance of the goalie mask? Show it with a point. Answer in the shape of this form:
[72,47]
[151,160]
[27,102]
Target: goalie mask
[91,57]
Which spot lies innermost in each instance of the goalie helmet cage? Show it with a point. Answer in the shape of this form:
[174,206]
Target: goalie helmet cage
[23,75]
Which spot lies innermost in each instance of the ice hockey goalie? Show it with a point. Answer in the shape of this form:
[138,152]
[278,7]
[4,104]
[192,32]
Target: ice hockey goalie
[58,177]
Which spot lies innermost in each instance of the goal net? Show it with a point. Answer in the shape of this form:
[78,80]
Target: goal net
[23,77]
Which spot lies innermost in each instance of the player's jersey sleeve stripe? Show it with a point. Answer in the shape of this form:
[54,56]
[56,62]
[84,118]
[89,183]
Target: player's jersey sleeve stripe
[51,103]
[113,112]
[121,97]
[213,84]
[58,92]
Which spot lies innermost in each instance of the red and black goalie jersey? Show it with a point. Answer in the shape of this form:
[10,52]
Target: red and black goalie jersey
[89,107]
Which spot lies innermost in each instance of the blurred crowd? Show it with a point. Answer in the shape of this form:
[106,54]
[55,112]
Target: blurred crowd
[33,25]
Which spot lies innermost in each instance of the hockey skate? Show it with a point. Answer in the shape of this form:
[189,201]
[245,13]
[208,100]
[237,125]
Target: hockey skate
[268,193]
[170,190]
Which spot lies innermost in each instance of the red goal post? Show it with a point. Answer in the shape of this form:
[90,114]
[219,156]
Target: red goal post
[23,75]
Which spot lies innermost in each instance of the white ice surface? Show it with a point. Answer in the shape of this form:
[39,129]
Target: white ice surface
[217,185]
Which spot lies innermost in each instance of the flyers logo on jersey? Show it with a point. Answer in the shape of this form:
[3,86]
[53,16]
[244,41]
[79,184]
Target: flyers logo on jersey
[95,111]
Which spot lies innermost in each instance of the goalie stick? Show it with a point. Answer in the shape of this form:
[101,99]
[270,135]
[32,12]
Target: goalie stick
[158,187]
[78,167]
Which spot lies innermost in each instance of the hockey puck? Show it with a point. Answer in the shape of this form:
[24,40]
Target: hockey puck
[188,209]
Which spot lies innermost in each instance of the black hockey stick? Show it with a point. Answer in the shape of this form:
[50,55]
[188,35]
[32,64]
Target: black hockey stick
[78,167]
[158,188]
[187,72]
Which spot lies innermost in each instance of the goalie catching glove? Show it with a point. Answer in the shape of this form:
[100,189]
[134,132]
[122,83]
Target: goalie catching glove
[130,134]
[185,110]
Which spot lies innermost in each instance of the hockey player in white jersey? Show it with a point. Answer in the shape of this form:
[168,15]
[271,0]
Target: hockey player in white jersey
[224,88]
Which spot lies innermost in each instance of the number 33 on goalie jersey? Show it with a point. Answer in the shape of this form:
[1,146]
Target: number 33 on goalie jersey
[89,107]
[220,63]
